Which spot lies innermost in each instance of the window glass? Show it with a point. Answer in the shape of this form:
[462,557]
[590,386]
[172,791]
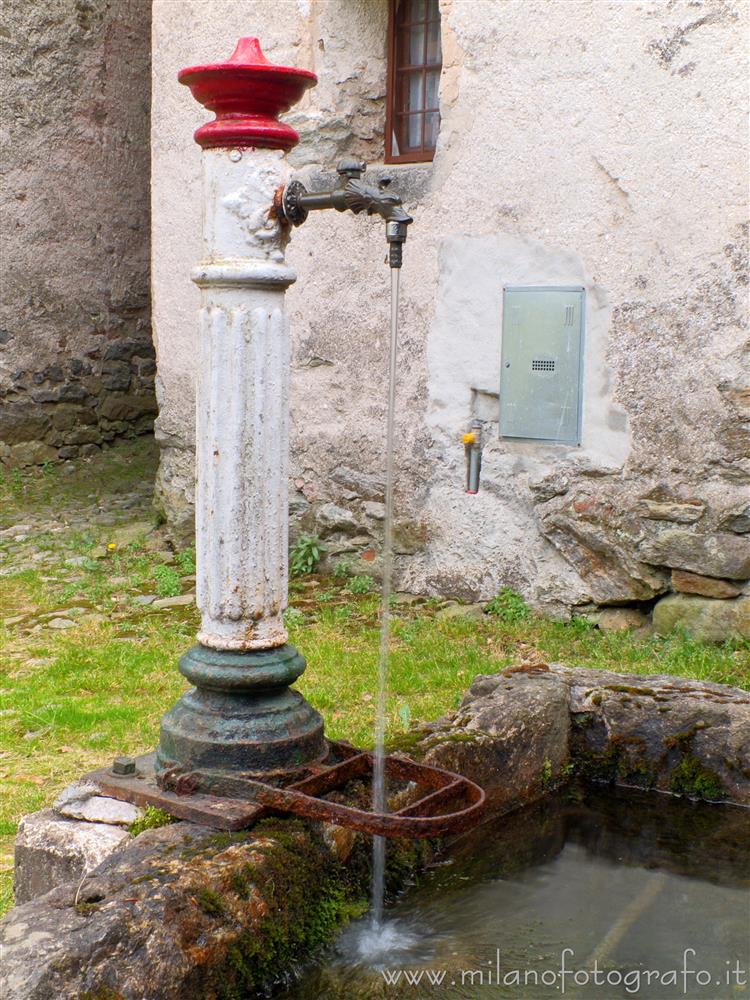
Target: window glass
[415,62]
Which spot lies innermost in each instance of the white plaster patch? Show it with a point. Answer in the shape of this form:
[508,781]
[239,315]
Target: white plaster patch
[465,340]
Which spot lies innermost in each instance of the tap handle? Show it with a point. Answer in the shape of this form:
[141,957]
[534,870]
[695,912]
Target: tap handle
[351,168]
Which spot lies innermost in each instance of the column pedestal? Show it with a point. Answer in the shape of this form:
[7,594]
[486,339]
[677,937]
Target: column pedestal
[242,720]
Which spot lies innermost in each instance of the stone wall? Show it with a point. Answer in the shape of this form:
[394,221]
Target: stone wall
[76,356]
[582,143]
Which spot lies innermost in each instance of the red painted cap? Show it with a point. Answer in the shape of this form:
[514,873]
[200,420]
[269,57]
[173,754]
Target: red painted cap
[246,93]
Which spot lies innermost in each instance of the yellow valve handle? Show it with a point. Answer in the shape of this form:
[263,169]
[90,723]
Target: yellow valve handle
[470,438]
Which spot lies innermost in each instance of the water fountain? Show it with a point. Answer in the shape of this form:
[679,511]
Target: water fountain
[242,741]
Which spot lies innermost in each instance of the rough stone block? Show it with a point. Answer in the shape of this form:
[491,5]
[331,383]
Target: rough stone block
[601,549]
[364,484]
[723,554]
[680,513]
[510,735]
[674,734]
[116,375]
[737,521]
[122,407]
[182,912]
[331,518]
[31,453]
[51,850]
[704,586]
[620,619]
[703,617]
[100,809]
[83,435]
[21,423]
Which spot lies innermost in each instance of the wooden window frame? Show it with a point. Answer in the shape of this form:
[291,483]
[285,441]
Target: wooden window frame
[422,155]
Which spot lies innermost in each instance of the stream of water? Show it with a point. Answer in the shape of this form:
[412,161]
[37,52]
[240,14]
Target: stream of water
[379,795]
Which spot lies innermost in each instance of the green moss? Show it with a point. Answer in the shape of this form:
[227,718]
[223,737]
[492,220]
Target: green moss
[593,765]
[240,881]
[218,842]
[209,901]
[148,877]
[460,736]
[546,775]
[582,720]
[406,742]
[549,780]
[151,819]
[684,738]
[636,772]
[308,897]
[86,909]
[692,779]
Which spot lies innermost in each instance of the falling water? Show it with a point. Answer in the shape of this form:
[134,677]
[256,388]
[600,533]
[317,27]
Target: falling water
[378,781]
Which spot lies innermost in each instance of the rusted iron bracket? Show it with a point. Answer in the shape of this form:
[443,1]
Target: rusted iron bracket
[441,802]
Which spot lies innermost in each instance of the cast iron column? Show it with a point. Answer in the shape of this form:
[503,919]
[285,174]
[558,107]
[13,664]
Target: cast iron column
[242,719]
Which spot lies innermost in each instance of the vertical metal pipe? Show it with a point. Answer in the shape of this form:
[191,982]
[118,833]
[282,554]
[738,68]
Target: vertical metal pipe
[473,443]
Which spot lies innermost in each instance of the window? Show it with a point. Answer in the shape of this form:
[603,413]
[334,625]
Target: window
[414,62]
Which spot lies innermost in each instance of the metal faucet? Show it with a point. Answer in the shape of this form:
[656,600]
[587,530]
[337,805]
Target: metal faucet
[353,194]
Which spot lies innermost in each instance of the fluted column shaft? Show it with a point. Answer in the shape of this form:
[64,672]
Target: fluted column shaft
[242,422]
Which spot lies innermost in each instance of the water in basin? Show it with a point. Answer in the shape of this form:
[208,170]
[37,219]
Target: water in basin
[633,894]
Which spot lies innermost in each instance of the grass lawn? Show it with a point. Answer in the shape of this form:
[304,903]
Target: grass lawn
[72,699]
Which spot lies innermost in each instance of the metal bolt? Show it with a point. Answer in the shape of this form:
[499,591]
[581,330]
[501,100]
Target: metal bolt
[123,765]
[235,156]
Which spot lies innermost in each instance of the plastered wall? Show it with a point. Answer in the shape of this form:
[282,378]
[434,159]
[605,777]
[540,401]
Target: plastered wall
[595,143]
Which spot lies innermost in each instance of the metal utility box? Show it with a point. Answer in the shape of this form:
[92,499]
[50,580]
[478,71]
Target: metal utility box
[542,364]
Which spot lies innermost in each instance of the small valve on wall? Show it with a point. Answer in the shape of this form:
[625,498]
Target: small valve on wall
[473,449]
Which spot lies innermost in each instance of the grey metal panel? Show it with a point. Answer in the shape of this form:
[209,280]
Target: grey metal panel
[542,363]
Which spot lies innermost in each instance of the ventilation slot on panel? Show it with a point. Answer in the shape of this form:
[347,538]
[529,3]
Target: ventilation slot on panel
[542,365]
[569,315]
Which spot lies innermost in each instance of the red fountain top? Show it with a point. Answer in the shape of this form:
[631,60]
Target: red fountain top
[246,93]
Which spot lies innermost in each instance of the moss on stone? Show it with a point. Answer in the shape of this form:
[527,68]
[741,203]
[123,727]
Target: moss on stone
[209,901]
[546,773]
[692,779]
[307,900]
[684,738]
[581,720]
[636,772]
[632,689]
[406,742]
[151,819]
[240,881]
[304,895]
[85,909]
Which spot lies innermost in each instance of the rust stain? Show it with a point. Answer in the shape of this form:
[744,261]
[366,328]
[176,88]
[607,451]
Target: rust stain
[275,210]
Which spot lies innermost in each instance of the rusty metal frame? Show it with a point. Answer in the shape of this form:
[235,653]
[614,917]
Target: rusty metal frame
[253,799]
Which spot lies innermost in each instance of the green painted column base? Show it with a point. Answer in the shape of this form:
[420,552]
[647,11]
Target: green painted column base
[241,720]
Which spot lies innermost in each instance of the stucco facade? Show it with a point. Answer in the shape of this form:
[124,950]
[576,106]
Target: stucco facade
[76,357]
[598,144]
